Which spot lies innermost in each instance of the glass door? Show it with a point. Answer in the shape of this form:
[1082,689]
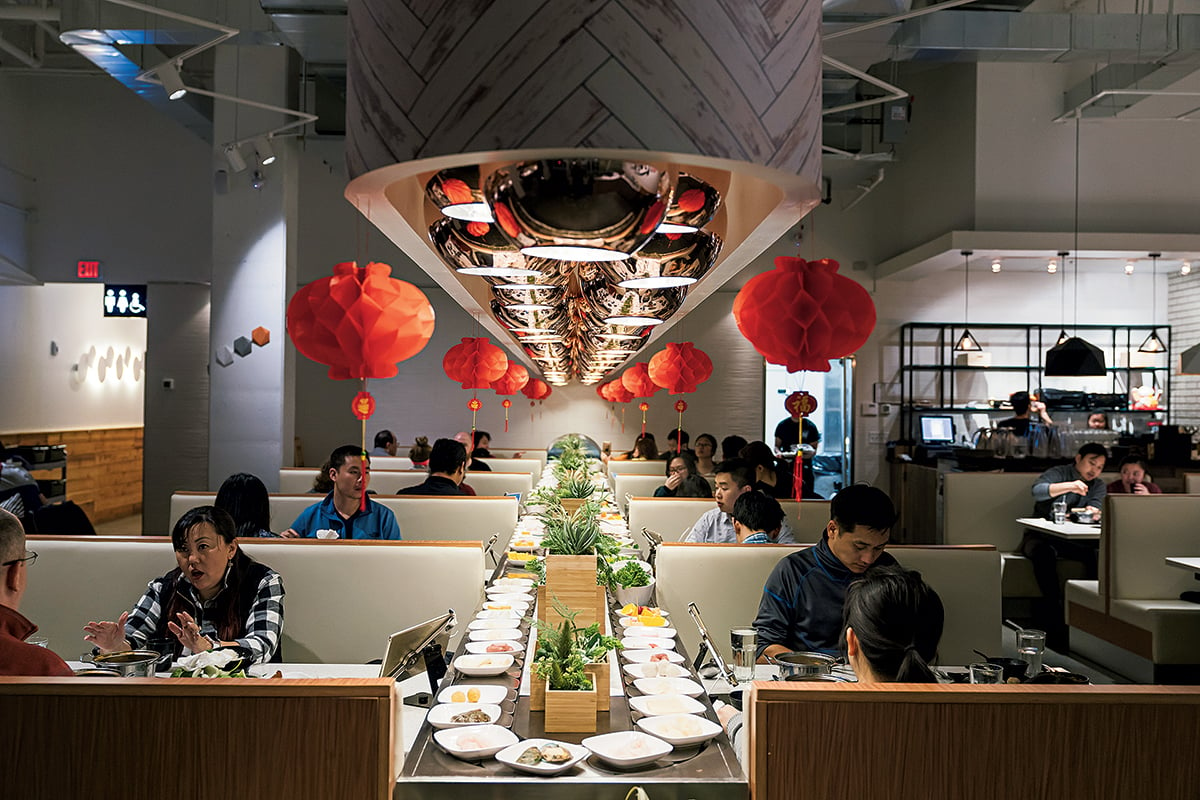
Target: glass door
[832,464]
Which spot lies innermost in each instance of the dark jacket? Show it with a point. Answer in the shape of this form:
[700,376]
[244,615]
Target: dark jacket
[434,484]
[801,606]
[17,657]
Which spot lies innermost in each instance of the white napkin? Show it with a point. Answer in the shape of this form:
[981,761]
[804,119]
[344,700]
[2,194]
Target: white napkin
[327,533]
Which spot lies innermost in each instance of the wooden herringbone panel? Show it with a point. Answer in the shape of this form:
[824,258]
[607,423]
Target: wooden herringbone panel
[737,79]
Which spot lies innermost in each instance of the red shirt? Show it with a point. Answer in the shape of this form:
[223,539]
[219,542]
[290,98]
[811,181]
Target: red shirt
[19,658]
[1118,487]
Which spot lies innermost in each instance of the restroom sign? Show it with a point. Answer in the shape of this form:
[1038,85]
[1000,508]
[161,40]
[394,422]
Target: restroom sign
[125,300]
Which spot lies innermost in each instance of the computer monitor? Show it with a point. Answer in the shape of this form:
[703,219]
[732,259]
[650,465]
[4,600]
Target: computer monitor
[937,430]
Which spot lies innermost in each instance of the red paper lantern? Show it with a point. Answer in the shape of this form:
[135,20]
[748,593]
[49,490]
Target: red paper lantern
[363,405]
[512,381]
[536,389]
[475,363]
[802,314]
[680,368]
[615,392]
[637,380]
[359,322]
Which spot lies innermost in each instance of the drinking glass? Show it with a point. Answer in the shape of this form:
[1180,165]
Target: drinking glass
[1060,512]
[986,673]
[40,641]
[166,652]
[745,652]
[1030,646]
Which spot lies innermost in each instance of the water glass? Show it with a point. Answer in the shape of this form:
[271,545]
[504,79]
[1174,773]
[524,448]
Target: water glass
[745,652]
[1060,512]
[986,673]
[1030,646]
[40,641]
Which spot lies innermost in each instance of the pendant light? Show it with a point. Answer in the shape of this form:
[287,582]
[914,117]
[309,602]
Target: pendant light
[966,343]
[1153,344]
[1075,357]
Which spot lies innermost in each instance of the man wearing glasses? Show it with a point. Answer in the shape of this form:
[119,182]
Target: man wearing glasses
[18,657]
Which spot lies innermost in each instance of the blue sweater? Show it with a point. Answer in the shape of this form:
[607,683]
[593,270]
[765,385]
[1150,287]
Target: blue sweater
[375,522]
[801,606]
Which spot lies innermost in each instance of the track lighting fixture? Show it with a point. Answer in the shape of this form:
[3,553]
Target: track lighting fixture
[233,155]
[262,147]
[172,83]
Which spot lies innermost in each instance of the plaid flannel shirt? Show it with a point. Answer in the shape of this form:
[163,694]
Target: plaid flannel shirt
[263,628]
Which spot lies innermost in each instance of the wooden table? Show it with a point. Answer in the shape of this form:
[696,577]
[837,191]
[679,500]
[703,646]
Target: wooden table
[1067,530]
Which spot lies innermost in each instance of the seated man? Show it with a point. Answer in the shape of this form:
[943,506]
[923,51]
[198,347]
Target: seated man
[673,439]
[1021,406]
[1133,479]
[801,606]
[734,478]
[17,657]
[447,467]
[1079,484]
[757,518]
[341,512]
[385,444]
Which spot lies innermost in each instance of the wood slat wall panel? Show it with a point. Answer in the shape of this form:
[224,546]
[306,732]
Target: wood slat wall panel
[385,55]
[581,113]
[401,24]
[104,468]
[715,21]
[751,26]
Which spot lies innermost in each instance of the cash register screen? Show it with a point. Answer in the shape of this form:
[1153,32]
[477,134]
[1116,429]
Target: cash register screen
[937,430]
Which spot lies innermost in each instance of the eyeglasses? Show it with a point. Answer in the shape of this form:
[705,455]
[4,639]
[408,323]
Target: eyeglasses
[30,558]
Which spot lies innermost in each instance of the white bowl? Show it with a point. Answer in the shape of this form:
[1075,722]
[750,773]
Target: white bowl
[644,656]
[475,741]
[684,686]
[484,664]
[503,595]
[492,624]
[680,730]
[495,605]
[440,715]
[493,695]
[656,705]
[656,643]
[506,614]
[510,754]
[635,628]
[616,565]
[481,648]
[627,748]
[651,670]
[513,584]
[495,635]
[662,612]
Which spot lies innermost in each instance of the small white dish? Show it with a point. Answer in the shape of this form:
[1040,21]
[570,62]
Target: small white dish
[481,648]
[645,656]
[513,584]
[655,669]
[662,612]
[507,596]
[680,730]
[684,686]
[510,754]
[657,705]
[484,664]
[627,748]
[492,695]
[525,543]
[495,635]
[492,624]
[496,605]
[508,613]
[441,716]
[474,742]
[657,643]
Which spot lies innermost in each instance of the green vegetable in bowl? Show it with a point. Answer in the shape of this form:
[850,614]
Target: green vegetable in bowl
[631,575]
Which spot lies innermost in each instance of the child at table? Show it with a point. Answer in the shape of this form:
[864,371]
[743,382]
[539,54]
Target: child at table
[757,518]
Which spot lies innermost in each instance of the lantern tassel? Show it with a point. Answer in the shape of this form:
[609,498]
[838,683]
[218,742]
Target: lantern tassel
[622,420]
[366,469]
[643,423]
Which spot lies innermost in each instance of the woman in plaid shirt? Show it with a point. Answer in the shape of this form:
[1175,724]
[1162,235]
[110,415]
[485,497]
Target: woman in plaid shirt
[217,597]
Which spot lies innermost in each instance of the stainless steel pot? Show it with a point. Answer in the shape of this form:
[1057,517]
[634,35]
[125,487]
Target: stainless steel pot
[129,663]
[803,666]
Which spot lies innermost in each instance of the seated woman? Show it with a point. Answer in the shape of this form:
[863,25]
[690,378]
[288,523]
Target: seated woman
[419,452]
[217,597]
[644,449]
[892,623]
[768,477]
[705,449]
[245,498]
[322,483]
[681,470]
[757,518]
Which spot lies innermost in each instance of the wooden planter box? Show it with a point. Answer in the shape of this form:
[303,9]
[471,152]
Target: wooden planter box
[600,679]
[571,711]
[572,504]
[571,581]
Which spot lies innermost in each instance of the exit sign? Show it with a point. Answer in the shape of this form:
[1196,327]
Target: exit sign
[88,270]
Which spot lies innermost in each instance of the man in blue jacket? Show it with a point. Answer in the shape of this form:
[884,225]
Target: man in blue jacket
[340,515]
[801,606]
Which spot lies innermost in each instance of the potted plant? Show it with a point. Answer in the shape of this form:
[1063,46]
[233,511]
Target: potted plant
[575,490]
[570,692]
[588,643]
[570,541]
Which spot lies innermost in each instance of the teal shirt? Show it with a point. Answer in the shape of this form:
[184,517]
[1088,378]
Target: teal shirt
[373,522]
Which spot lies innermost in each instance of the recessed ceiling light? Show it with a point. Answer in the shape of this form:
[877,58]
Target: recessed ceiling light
[1185,268]
[1129,266]
[636,321]
[662,282]
[562,252]
[1052,266]
[469,212]
[528,306]
[674,227]
[498,272]
[996,265]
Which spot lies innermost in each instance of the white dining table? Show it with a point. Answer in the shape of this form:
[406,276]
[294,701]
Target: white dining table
[1065,530]
[1190,563]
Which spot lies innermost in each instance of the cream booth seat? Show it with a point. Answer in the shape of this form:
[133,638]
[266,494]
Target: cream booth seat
[655,467]
[630,485]
[672,517]
[503,453]
[1133,621]
[391,462]
[423,518]
[533,466]
[385,482]
[1191,482]
[342,599]
[726,582]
